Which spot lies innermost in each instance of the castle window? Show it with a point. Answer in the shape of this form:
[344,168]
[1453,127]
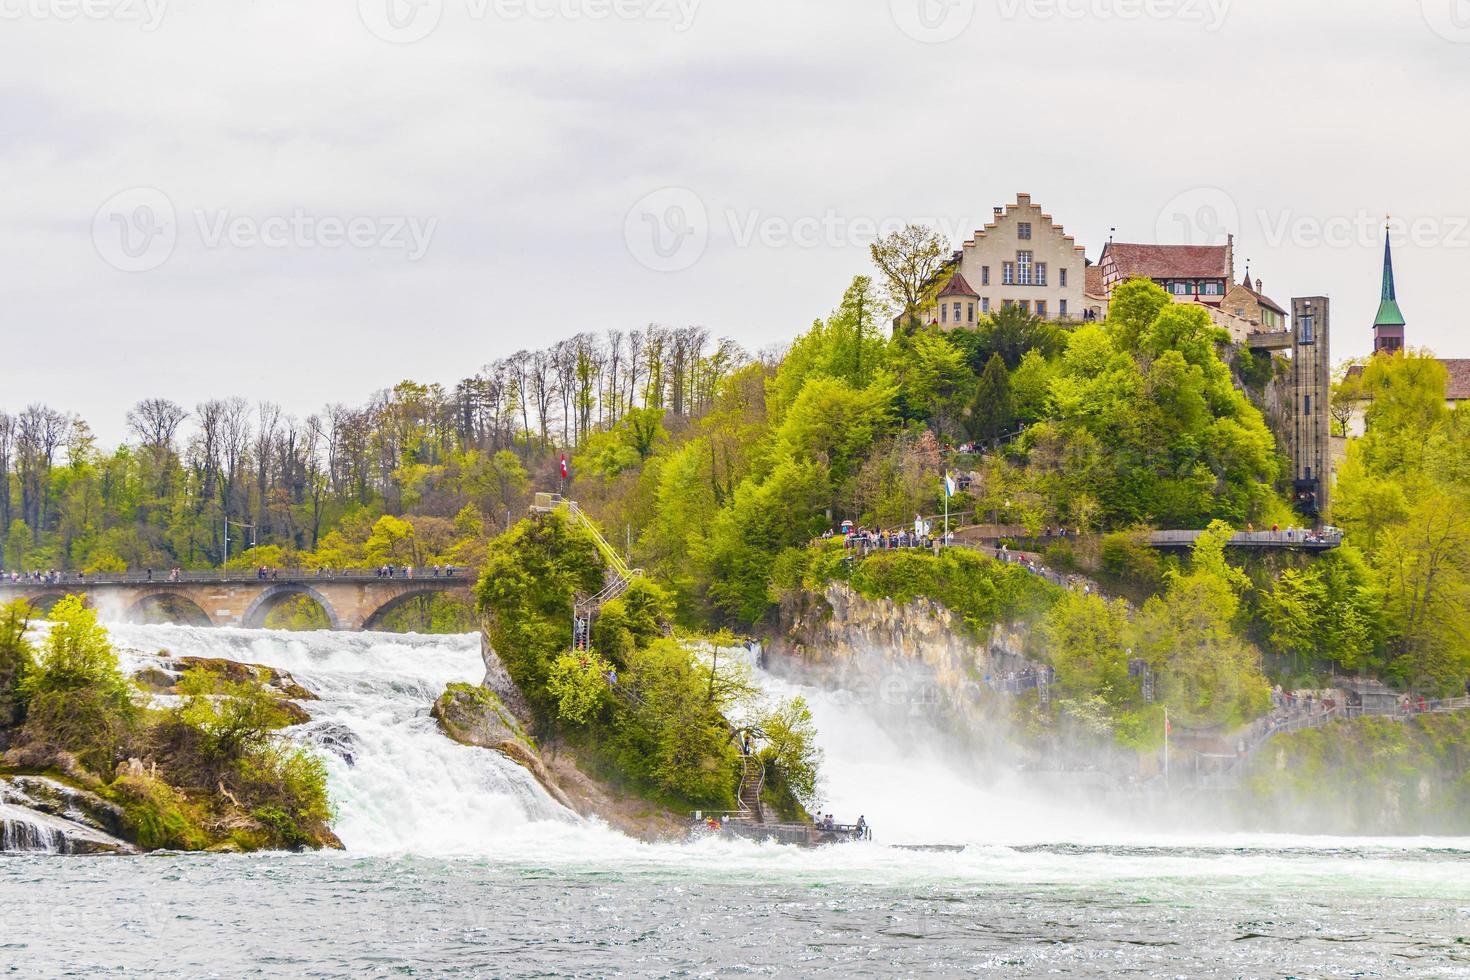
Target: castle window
[1305,324]
[985,275]
[1061,303]
[956,312]
[1023,268]
[1063,275]
[1307,406]
[972,313]
[1025,306]
[1213,289]
[1008,273]
[1041,308]
[1023,231]
[943,312]
[1041,273]
[984,304]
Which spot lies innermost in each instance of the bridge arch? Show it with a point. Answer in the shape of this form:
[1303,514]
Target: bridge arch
[167,606]
[274,595]
[375,619]
[43,601]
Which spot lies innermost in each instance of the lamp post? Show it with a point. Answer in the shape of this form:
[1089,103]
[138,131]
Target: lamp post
[228,522]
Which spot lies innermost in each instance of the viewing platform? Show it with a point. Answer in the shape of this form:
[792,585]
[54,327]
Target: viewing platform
[1292,539]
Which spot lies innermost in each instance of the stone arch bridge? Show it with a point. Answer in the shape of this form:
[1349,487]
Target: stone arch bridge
[355,600]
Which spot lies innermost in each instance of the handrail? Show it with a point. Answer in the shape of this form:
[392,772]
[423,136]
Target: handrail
[59,580]
[608,551]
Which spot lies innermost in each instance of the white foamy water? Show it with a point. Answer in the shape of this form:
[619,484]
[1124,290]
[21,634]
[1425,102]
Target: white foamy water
[407,788]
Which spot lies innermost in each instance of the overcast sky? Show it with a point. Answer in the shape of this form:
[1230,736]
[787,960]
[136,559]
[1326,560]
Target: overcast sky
[308,200]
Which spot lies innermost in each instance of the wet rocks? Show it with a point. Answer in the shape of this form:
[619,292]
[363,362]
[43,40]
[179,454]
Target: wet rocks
[476,716]
[39,814]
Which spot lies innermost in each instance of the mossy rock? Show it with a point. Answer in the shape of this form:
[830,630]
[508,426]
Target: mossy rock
[238,673]
[476,716]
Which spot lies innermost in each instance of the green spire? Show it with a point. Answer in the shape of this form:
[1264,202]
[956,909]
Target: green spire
[1389,314]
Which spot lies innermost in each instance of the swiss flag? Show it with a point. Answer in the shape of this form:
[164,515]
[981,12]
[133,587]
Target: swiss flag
[563,466]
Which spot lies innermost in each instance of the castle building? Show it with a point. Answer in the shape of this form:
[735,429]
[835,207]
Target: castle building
[1200,274]
[1021,258]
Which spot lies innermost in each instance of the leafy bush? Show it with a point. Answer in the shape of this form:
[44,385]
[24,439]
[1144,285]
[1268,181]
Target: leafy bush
[156,815]
[982,591]
[17,661]
[1129,556]
[78,699]
[579,684]
[526,593]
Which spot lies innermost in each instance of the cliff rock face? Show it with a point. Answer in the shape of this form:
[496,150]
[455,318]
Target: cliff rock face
[915,656]
[840,627]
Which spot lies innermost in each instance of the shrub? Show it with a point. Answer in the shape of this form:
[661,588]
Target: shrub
[156,816]
[1128,555]
[17,661]
[78,699]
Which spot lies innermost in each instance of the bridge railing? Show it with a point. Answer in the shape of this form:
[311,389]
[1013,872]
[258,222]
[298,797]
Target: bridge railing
[1291,538]
[60,580]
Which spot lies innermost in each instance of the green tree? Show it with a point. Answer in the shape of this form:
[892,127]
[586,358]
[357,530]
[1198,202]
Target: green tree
[910,261]
[78,699]
[17,660]
[578,684]
[991,411]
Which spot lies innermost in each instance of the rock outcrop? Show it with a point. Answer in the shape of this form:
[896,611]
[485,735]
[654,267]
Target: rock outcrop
[38,814]
[914,656]
[476,716]
[480,716]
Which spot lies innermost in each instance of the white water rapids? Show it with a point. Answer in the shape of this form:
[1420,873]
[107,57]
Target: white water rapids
[401,787]
[407,788]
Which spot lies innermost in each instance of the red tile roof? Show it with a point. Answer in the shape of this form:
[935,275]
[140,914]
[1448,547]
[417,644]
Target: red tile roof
[1093,286]
[1171,261]
[1459,386]
[957,286]
[1458,389]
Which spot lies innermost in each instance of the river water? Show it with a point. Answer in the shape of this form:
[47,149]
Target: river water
[458,864]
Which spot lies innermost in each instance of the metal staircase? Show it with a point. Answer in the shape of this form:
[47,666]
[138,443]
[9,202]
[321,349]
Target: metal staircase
[619,575]
[752,779]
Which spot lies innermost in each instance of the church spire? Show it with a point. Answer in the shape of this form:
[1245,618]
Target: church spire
[1388,327]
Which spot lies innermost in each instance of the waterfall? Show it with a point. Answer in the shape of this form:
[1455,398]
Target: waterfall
[22,832]
[888,757]
[397,783]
